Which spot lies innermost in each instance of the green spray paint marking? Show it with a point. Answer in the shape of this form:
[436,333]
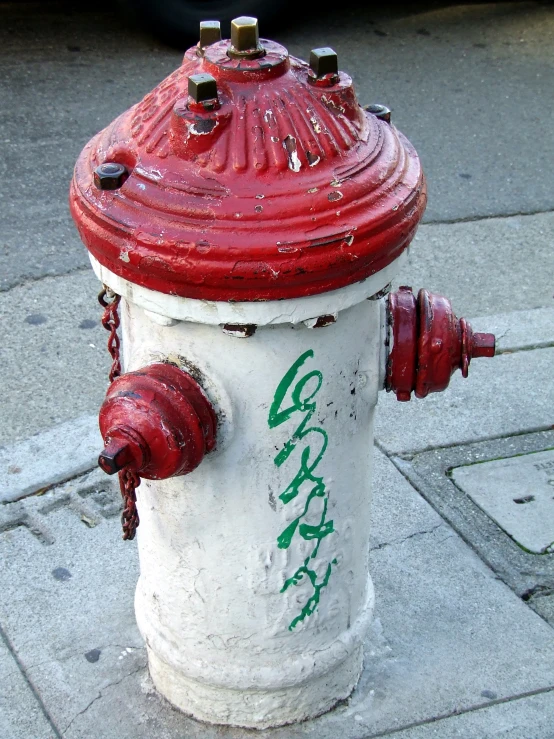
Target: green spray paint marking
[305,474]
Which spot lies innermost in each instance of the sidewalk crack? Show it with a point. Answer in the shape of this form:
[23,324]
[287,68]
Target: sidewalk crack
[101,695]
[398,542]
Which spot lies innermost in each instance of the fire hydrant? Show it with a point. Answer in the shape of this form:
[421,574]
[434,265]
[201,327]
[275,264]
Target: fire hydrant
[246,219]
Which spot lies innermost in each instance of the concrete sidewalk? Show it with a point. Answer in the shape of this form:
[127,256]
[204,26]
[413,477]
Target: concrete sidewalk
[462,640]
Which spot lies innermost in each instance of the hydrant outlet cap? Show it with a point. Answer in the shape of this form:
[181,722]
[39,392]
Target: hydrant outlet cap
[248,175]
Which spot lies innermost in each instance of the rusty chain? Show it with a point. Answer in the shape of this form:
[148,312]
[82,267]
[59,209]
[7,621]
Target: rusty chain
[129,479]
[110,321]
[129,482]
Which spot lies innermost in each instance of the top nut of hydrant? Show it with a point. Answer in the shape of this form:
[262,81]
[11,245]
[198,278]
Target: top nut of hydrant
[210,33]
[245,39]
[324,61]
[202,87]
[110,176]
[379,111]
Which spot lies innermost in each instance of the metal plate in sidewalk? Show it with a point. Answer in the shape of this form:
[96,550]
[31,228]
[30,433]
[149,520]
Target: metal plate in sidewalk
[518,494]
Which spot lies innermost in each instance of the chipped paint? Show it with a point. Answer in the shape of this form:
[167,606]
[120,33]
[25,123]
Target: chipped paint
[315,124]
[289,145]
[335,195]
[312,159]
[154,175]
[240,331]
[321,321]
[332,105]
[269,118]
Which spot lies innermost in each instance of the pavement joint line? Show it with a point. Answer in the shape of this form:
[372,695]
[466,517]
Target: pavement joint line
[47,488]
[453,714]
[476,219]
[530,348]
[412,480]
[439,222]
[33,280]
[34,465]
[415,480]
[30,684]
[407,456]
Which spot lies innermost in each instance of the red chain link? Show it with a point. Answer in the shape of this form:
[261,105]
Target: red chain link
[129,479]
[110,321]
[128,482]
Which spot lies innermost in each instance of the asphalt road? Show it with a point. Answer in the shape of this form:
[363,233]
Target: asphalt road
[470,85]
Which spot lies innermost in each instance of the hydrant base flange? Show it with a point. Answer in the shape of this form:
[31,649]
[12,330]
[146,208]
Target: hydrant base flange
[256,709]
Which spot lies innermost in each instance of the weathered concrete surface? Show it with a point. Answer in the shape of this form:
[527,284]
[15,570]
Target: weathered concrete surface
[531,576]
[48,458]
[492,266]
[21,714]
[505,395]
[519,719]
[517,493]
[53,357]
[447,633]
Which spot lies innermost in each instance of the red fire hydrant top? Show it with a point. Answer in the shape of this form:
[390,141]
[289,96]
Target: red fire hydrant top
[264,180]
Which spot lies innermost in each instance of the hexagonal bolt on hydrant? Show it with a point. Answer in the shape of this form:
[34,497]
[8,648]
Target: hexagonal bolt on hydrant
[246,219]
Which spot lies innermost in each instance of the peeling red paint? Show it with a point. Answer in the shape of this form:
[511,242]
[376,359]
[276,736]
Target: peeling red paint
[197,172]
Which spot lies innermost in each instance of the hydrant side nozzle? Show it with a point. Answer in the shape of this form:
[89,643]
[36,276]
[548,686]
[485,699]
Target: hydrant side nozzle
[158,421]
[423,359]
[401,364]
[114,457]
[484,345]
[124,446]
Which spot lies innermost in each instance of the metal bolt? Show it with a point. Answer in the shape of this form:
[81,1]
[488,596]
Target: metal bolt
[115,456]
[245,38]
[110,176]
[210,33]
[379,111]
[324,61]
[244,33]
[202,87]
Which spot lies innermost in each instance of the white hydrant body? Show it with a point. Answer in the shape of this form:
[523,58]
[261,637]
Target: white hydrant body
[246,219]
[254,595]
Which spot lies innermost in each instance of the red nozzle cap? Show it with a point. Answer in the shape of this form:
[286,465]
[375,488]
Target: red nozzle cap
[157,421]
[429,344]
[484,345]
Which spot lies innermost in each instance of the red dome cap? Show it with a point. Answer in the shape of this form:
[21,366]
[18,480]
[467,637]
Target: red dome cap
[281,186]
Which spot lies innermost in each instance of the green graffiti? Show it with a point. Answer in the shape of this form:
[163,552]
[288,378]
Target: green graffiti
[303,402]
[313,600]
